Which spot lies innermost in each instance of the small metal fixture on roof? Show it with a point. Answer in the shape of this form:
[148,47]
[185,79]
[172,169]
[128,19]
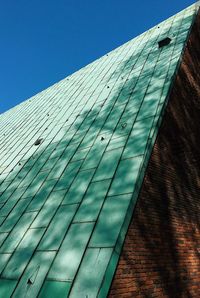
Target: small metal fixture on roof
[164,42]
[33,277]
[38,142]
[29,281]
[123,125]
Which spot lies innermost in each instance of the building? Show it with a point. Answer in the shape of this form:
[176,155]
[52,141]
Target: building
[100,175]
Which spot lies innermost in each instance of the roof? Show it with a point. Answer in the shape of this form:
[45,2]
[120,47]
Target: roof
[73,159]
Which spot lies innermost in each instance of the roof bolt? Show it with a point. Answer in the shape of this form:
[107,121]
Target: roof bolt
[164,42]
[123,125]
[33,277]
[38,142]
[29,282]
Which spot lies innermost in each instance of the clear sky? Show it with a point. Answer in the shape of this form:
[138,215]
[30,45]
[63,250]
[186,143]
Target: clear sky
[43,41]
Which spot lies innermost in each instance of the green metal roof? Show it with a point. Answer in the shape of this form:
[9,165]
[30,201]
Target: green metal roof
[66,200]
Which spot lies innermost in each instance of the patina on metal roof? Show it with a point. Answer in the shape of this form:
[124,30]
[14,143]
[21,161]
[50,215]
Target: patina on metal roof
[73,159]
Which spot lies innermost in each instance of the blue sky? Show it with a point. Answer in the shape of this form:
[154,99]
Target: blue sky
[41,42]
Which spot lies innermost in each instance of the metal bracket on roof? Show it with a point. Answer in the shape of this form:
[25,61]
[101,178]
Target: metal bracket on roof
[38,142]
[164,42]
[32,278]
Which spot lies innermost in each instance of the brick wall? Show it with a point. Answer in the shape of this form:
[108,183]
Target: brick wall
[161,254]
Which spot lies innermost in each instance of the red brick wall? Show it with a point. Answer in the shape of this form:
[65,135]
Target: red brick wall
[161,254]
